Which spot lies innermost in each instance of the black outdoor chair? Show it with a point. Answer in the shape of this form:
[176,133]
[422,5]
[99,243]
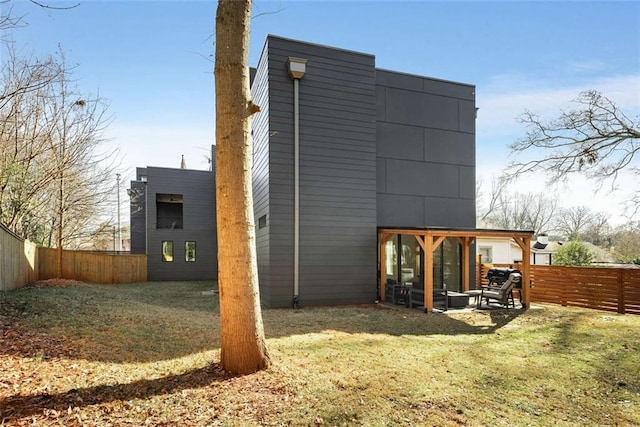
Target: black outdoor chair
[503,294]
[396,293]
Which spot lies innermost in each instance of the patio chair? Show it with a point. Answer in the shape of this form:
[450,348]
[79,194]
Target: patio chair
[395,293]
[503,294]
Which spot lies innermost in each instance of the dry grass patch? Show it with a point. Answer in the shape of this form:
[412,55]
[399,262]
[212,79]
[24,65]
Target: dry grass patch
[146,354]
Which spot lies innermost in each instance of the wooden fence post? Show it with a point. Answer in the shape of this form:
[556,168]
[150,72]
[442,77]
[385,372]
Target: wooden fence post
[563,288]
[621,303]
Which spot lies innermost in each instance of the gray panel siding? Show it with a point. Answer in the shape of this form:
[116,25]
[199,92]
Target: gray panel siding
[442,212]
[199,225]
[425,151]
[456,148]
[422,109]
[394,79]
[260,172]
[408,141]
[422,178]
[137,203]
[337,175]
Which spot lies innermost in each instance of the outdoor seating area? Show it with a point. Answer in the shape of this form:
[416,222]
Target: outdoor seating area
[411,295]
[503,282]
[406,254]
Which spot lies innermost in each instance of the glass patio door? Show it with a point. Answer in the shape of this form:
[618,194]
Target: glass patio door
[447,267]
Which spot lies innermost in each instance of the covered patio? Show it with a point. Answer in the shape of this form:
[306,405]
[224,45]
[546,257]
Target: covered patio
[430,239]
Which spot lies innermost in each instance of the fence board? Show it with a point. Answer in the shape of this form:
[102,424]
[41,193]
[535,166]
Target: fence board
[18,260]
[92,267]
[601,288]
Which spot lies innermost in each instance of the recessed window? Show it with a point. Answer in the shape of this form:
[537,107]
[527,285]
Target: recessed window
[169,211]
[167,251]
[262,221]
[190,251]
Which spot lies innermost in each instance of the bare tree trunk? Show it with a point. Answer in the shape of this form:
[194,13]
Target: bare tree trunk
[243,347]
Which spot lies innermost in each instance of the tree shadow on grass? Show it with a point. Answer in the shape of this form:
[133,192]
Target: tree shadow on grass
[19,406]
[386,320]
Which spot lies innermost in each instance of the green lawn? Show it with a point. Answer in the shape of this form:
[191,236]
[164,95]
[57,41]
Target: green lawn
[146,354]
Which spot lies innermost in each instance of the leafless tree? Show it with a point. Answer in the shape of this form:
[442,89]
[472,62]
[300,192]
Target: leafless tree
[55,178]
[595,139]
[626,241]
[519,211]
[599,231]
[243,345]
[570,223]
[498,187]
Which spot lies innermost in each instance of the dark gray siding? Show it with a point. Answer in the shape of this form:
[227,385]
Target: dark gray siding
[337,175]
[425,151]
[137,204]
[260,171]
[198,191]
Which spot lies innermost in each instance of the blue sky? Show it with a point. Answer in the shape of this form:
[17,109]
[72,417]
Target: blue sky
[151,60]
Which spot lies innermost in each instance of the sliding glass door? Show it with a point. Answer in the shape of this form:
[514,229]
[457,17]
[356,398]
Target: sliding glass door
[404,262]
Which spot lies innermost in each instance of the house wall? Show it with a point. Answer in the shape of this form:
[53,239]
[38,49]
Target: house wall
[425,131]
[504,251]
[199,224]
[260,172]
[138,209]
[337,175]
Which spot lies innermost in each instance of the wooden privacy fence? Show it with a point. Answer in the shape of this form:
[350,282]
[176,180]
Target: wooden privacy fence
[92,267]
[600,288]
[18,260]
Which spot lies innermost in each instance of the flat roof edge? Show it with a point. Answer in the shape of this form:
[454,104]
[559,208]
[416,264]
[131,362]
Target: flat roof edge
[386,70]
[460,229]
[319,45]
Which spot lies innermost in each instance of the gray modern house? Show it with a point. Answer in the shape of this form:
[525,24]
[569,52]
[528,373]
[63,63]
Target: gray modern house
[173,222]
[341,149]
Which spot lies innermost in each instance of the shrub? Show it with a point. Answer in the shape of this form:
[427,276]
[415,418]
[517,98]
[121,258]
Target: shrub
[573,253]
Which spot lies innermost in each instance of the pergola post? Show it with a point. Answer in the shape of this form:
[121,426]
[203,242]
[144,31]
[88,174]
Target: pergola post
[526,273]
[383,265]
[525,246]
[465,242]
[428,273]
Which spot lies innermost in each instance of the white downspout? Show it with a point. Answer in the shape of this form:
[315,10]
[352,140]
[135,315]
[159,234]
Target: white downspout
[297,69]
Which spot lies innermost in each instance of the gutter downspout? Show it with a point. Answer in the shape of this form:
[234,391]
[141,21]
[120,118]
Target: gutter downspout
[297,69]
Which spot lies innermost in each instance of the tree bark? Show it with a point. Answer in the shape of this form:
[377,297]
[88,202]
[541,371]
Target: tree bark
[243,347]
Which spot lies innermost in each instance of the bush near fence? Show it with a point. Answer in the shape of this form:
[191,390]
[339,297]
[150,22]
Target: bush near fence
[601,288]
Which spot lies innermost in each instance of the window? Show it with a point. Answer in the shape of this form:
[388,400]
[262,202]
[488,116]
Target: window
[167,251]
[190,251]
[169,211]
[486,253]
[262,222]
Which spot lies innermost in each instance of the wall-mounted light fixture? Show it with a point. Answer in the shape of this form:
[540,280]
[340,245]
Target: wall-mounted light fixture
[297,67]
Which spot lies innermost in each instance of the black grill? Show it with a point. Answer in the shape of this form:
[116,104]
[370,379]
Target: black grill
[497,276]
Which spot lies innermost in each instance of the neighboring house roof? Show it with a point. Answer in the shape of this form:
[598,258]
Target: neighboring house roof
[600,255]
[538,245]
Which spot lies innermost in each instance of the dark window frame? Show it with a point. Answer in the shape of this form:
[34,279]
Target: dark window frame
[187,251]
[165,255]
